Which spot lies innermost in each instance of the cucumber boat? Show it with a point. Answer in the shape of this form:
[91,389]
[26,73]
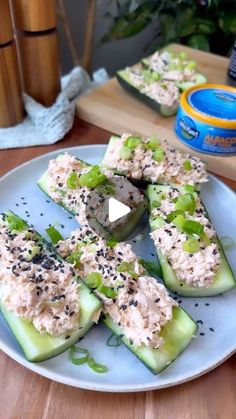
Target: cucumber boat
[150,160]
[159,79]
[192,259]
[84,191]
[115,274]
[38,345]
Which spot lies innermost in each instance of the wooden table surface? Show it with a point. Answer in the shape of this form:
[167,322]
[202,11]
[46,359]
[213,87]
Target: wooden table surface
[26,395]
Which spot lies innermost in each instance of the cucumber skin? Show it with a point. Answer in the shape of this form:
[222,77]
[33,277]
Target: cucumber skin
[121,232]
[165,111]
[160,357]
[32,354]
[170,279]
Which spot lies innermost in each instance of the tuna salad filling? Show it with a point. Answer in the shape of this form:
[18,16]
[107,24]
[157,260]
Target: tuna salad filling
[165,92]
[35,285]
[152,160]
[176,68]
[72,181]
[134,300]
[183,233]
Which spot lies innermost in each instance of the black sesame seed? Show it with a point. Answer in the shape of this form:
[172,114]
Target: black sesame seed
[68,337]
[211,329]
[202,334]
[196,305]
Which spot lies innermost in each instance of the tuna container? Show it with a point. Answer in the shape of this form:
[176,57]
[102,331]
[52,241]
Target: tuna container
[206,119]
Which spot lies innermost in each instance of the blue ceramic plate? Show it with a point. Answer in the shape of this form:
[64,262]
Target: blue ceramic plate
[216,317]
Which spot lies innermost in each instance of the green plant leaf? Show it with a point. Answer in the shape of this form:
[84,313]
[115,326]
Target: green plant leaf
[199,41]
[227,23]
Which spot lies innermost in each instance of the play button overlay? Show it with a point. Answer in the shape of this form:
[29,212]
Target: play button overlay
[108,206]
[116,209]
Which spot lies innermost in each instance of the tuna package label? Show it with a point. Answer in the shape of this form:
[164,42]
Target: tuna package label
[205,123]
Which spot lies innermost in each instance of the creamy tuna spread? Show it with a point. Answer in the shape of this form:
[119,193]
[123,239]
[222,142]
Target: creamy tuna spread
[165,92]
[35,285]
[79,199]
[152,160]
[134,301]
[188,247]
[174,68]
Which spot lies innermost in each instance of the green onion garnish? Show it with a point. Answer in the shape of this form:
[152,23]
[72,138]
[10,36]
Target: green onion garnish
[179,221]
[109,292]
[158,155]
[93,279]
[72,180]
[152,267]
[227,242]
[35,250]
[191,245]
[92,178]
[79,360]
[15,223]
[99,368]
[189,188]
[153,143]
[187,165]
[132,142]
[74,259]
[186,202]
[156,76]
[155,204]
[117,340]
[127,267]
[74,350]
[111,243]
[54,234]
[193,228]
[125,153]
[157,222]
[182,56]
[191,65]
[174,214]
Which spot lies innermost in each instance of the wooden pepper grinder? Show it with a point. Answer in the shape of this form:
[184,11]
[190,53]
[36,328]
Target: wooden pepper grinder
[11,103]
[35,21]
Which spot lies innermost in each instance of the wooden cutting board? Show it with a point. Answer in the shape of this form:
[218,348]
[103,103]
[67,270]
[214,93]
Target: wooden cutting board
[111,108]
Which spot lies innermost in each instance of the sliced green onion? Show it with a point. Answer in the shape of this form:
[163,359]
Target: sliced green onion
[132,142]
[206,240]
[152,267]
[186,202]
[54,234]
[156,76]
[227,242]
[78,360]
[157,222]
[155,204]
[187,165]
[92,178]
[191,65]
[99,368]
[107,291]
[125,153]
[118,340]
[179,221]
[93,279]
[111,243]
[174,214]
[158,155]
[127,267]
[191,246]
[189,188]
[35,250]
[72,180]
[152,144]
[182,56]
[15,223]
[74,259]
[192,228]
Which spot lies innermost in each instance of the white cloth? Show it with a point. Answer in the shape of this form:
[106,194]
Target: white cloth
[43,126]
